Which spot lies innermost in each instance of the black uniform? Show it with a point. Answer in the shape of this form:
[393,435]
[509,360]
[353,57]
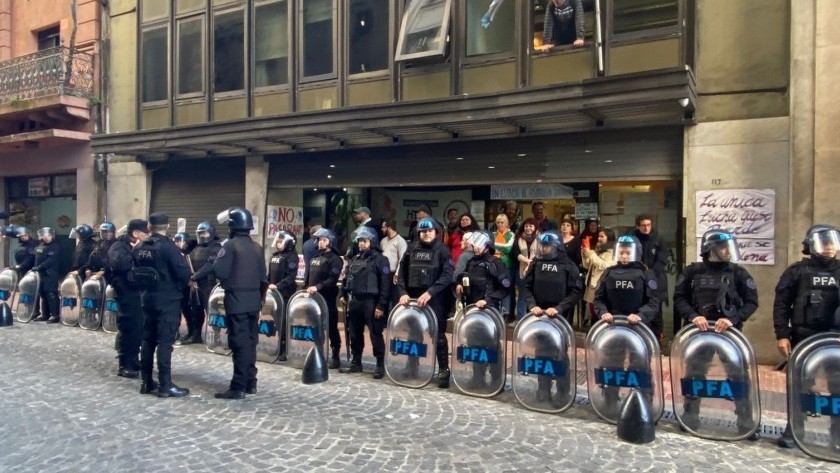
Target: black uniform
[203,257]
[323,273]
[428,268]
[81,255]
[282,272]
[553,282]
[715,290]
[367,287]
[240,266]
[627,289]
[488,278]
[655,254]
[807,302]
[161,305]
[98,259]
[130,318]
[46,264]
[25,257]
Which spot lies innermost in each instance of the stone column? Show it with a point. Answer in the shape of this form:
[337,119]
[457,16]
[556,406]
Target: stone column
[826,90]
[129,190]
[256,191]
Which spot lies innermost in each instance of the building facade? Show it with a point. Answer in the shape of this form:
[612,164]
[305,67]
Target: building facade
[301,109]
[49,86]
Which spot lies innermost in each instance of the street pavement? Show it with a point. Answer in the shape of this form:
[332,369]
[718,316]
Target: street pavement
[64,409]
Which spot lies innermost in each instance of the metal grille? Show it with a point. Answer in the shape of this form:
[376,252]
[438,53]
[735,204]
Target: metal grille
[52,72]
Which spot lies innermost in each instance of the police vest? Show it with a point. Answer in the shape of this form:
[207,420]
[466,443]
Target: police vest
[201,256]
[479,273]
[361,277]
[714,293]
[319,270]
[278,266]
[550,281]
[148,255]
[423,268]
[816,305]
[625,290]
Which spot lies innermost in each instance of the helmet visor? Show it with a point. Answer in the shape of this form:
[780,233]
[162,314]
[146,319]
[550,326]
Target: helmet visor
[627,252]
[724,251]
[46,232]
[479,240]
[74,233]
[825,243]
[224,217]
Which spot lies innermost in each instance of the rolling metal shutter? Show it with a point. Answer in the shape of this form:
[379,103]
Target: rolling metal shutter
[197,189]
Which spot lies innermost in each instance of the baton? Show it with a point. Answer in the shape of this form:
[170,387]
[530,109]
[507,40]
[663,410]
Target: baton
[347,327]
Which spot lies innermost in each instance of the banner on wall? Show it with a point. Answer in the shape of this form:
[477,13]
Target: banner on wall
[749,214]
[282,217]
[531,192]
[401,206]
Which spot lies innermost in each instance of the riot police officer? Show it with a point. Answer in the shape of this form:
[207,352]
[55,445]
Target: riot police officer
[487,276]
[807,303]
[628,288]
[425,274]
[716,294]
[240,266]
[161,272]
[84,246]
[46,264]
[97,263]
[189,297]
[130,317]
[322,277]
[203,256]
[366,291]
[25,254]
[552,287]
[282,272]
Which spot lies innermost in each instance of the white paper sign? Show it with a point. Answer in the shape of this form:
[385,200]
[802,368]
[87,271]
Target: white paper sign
[585,210]
[281,217]
[746,213]
[530,192]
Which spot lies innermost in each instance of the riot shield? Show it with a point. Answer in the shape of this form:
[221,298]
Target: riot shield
[93,301]
[714,380]
[478,351]
[306,324]
[70,292]
[8,284]
[544,353]
[271,327]
[621,357]
[813,389]
[110,311]
[215,326]
[27,296]
[411,345]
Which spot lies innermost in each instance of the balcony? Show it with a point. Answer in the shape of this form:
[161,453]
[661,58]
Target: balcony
[45,99]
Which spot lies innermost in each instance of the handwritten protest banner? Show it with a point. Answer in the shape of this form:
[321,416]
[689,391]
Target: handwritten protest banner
[281,217]
[749,214]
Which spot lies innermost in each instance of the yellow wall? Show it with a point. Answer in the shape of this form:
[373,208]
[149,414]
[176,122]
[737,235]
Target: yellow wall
[646,56]
[271,104]
[318,99]
[426,86]
[122,110]
[488,79]
[229,108]
[369,92]
[566,67]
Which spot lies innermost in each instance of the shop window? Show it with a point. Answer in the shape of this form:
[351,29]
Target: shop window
[49,38]
[424,29]
[490,27]
[318,26]
[271,44]
[154,63]
[229,51]
[190,56]
[630,16]
[555,26]
[368,27]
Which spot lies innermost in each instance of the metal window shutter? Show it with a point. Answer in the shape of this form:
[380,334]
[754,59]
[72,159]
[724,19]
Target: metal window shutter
[197,189]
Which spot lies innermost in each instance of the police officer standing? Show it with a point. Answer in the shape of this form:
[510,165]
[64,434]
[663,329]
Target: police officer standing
[807,302]
[552,287]
[282,273]
[97,263]
[488,278]
[130,317]
[84,246]
[425,274]
[240,266]
[322,277]
[716,294]
[203,256]
[25,254]
[161,271]
[46,264]
[366,291]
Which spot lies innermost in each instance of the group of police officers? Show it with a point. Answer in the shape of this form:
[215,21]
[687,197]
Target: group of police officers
[151,277]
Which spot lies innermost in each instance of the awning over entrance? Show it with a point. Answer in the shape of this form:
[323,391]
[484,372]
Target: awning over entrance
[664,97]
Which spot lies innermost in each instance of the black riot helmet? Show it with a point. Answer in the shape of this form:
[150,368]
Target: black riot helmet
[551,244]
[819,238]
[366,233]
[481,240]
[180,239]
[46,232]
[83,232]
[20,232]
[237,219]
[627,243]
[285,239]
[330,236]
[205,232]
[719,246]
[107,231]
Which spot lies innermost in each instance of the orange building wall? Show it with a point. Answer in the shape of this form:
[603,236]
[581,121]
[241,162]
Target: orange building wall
[20,21]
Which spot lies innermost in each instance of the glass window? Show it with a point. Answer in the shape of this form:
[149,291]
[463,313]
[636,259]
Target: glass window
[155,73]
[271,44]
[153,9]
[190,56]
[638,15]
[49,38]
[229,52]
[368,35]
[556,22]
[189,5]
[490,26]
[424,29]
[318,17]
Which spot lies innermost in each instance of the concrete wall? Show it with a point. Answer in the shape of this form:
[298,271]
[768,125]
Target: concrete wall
[129,190]
[826,111]
[122,66]
[256,190]
[27,17]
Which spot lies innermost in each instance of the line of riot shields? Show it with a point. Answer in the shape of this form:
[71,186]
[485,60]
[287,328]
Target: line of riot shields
[713,376]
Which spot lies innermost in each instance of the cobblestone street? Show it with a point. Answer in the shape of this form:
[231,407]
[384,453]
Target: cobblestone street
[64,409]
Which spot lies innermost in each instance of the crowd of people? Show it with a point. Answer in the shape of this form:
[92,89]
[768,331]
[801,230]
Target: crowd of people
[529,267]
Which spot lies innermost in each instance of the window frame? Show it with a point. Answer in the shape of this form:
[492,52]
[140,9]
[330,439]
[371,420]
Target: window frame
[441,52]
[211,44]
[252,55]
[643,35]
[590,40]
[301,45]
[168,34]
[489,58]
[361,76]
[176,76]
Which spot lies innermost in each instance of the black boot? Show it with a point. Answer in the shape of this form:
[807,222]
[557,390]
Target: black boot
[355,366]
[379,372]
[251,388]
[443,378]
[173,391]
[148,387]
[127,373]
[231,394]
[335,361]
[41,318]
[54,320]
[786,440]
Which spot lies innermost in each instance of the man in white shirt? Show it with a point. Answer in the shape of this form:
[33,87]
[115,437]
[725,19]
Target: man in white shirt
[393,247]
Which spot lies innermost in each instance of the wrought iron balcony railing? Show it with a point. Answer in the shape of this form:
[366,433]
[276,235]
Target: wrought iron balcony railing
[51,72]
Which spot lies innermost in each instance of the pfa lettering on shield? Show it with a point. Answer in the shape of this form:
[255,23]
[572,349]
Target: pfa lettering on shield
[541,367]
[408,348]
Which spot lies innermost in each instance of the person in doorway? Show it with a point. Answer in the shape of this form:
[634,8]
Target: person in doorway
[362,216]
[544,224]
[596,260]
[570,241]
[526,248]
[452,224]
[655,254]
[466,224]
[503,243]
[589,235]
[393,247]
[563,24]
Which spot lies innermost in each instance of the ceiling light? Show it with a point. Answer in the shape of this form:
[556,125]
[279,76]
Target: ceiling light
[332,165]
[587,151]
[459,159]
[315,189]
[522,155]
[329,176]
[491,167]
[608,160]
